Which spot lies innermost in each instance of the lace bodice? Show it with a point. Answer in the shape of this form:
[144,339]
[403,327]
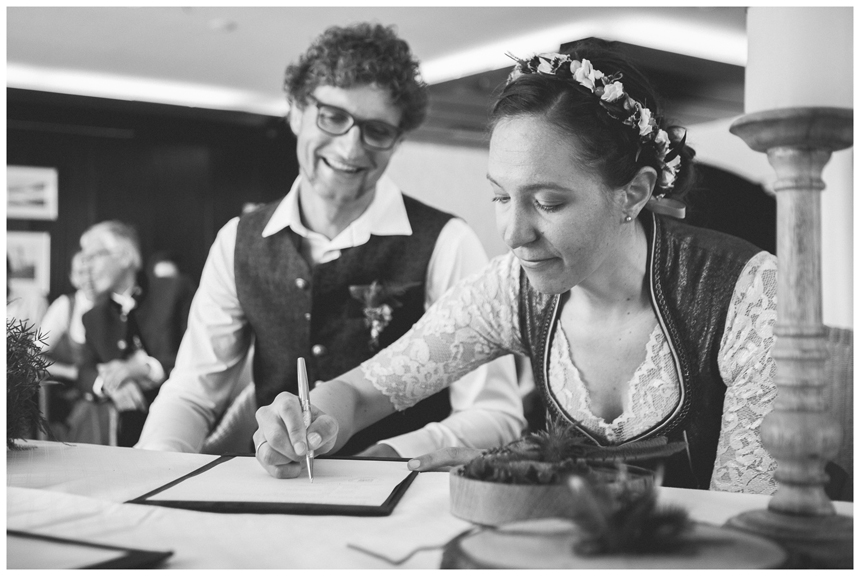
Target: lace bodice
[477,321]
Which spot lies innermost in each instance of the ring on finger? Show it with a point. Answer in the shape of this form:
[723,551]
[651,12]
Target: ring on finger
[260,445]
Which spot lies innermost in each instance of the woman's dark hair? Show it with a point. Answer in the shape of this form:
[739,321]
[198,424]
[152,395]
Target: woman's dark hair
[606,145]
[359,55]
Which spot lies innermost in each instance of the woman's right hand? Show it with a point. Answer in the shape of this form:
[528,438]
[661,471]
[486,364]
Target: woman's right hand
[280,436]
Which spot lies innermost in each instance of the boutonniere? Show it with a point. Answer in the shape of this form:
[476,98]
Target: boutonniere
[379,303]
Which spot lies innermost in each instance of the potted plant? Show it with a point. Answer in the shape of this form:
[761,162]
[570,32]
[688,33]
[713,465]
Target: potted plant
[26,367]
[529,477]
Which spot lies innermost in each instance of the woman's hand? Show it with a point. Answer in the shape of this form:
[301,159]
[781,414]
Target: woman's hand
[280,436]
[443,459]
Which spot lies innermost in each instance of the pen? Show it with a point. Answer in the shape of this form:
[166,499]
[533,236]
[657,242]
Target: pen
[305,399]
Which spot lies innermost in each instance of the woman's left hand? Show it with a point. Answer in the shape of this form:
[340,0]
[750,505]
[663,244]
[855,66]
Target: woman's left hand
[443,459]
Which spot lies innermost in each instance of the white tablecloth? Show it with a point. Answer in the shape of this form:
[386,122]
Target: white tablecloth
[78,491]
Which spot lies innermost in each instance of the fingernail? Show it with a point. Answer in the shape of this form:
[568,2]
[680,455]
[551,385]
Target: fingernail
[314,440]
[300,448]
[413,464]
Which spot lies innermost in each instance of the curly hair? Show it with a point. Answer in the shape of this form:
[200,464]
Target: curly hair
[358,55]
[606,145]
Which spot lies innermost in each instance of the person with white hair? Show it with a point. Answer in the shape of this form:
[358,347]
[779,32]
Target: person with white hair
[133,334]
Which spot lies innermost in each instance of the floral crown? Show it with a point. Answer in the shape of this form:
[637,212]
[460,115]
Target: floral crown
[617,104]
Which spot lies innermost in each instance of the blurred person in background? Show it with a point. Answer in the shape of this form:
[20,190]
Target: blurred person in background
[132,335]
[63,331]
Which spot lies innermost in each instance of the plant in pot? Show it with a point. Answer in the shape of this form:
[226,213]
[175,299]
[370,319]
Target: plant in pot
[528,478]
[26,367]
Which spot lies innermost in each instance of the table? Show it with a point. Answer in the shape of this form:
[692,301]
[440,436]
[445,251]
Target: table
[78,491]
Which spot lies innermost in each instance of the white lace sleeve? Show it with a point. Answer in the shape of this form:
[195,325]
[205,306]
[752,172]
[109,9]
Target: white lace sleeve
[473,323]
[747,368]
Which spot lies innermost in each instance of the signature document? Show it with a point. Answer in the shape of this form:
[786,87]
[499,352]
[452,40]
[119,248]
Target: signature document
[338,482]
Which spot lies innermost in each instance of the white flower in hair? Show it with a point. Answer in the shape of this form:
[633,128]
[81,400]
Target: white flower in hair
[545,67]
[644,121]
[613,92]
[587,75]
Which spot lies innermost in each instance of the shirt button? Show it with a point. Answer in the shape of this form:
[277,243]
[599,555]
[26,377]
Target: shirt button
[301,283]
[308,316]
[121,345]
[318,350]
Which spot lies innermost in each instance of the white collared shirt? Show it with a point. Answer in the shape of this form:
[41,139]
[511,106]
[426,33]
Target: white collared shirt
[486,406]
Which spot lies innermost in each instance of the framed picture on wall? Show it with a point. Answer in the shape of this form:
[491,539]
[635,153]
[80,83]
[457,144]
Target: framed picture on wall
[29,258]
[31,193]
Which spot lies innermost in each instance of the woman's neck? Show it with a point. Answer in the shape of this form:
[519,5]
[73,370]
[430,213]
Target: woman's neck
[619,284]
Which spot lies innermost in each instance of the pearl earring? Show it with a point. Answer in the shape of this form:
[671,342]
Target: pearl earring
[628,218]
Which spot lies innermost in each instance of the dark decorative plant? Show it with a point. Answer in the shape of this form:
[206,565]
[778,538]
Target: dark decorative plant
[26,367]
[547,457]
[624,520]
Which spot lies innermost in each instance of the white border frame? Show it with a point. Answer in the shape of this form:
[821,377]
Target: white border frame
[25,249]
[31,193]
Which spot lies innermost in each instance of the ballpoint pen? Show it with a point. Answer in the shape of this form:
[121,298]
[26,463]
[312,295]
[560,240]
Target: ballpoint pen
[305,399]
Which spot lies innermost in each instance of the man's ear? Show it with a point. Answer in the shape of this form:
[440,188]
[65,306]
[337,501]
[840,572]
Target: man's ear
[294,117]
[638,191]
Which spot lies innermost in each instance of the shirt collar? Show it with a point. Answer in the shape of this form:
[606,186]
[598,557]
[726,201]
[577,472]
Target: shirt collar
[386,216]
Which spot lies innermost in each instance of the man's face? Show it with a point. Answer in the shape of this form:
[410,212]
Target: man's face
[107,263]
[342,169]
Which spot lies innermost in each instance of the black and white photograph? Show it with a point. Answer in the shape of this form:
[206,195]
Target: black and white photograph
[31,192]
[413,287]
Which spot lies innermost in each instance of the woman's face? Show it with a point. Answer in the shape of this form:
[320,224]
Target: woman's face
[558,218]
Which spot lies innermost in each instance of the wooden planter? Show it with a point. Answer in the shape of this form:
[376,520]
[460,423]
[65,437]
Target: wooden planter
[493,503]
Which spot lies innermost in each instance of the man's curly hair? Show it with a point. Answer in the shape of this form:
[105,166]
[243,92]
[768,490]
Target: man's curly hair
[358,55]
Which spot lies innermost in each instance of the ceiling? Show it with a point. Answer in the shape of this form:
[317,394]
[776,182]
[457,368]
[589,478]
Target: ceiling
[233,58]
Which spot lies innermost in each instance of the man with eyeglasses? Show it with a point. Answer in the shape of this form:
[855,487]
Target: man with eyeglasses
[338,269]
[133,331]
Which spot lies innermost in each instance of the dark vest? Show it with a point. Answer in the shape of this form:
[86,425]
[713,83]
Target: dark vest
[692,274]
[298,310]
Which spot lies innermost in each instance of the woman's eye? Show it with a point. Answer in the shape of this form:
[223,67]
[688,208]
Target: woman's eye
[547,207]
[500,199]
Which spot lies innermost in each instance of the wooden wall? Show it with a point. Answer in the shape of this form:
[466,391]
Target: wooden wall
[176,173]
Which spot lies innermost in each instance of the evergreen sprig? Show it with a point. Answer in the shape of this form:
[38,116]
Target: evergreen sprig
[624,520]
[545,457]
[26,367]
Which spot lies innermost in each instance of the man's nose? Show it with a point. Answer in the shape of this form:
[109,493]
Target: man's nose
[349,143]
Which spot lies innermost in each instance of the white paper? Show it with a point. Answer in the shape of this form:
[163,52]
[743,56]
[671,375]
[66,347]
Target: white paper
[243,479]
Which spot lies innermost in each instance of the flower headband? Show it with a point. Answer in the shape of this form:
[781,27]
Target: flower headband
[617,104]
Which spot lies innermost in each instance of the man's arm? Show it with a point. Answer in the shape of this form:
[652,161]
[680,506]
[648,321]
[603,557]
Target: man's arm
[486,408]
[210,358]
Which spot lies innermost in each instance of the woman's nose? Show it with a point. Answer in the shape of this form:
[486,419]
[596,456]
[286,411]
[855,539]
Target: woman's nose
[516,227]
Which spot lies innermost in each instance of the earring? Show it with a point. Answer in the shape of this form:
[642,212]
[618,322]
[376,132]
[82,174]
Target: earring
[628,218]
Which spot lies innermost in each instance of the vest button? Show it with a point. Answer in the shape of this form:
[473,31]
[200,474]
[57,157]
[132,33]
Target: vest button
[121,345]
[308,316]
[318,350]
[301,283]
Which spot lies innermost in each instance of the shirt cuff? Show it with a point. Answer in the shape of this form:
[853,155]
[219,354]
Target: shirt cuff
[156,370]
[97,387]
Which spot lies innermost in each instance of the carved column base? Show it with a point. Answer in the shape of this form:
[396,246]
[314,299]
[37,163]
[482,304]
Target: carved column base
[811,541]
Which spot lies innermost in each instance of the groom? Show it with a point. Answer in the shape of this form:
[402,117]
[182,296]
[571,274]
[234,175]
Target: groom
[339,268]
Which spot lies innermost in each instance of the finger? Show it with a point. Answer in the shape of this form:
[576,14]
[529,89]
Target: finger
[273,428]
[267,457]
[442,459]
[322,433]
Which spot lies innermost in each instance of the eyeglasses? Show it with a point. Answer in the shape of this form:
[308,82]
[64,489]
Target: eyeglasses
[375,134]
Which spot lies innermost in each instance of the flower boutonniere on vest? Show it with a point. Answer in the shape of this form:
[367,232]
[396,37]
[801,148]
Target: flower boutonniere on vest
[379,302]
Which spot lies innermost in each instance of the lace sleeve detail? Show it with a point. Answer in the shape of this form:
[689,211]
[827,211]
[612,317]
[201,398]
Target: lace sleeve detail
[748,369]
[472,323]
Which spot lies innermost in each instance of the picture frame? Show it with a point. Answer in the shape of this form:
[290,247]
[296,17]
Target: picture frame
[29,261]
[31,193]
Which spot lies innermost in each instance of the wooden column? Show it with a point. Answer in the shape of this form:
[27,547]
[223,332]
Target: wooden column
[799,433]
